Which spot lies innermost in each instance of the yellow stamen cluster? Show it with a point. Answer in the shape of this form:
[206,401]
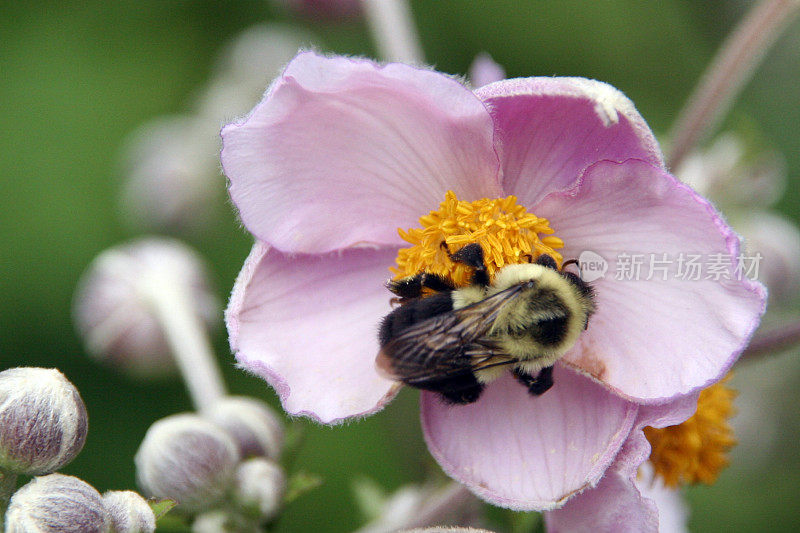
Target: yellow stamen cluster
[507,233]
[697,450]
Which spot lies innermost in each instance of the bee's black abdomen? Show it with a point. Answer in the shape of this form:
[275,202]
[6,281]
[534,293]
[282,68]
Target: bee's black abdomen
[414,311]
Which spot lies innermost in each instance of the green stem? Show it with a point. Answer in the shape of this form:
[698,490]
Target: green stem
[731,68]
[183,329]
[392,26]
[772,341]
[8,485]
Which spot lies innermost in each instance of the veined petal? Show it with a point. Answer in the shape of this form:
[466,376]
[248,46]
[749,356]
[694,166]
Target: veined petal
[615,505]
[550,129]
[525,452]
[343,151]
[308,325]
[662,332]
[618,503]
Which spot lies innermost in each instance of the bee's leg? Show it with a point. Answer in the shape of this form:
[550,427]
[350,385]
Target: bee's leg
[472,255]
[411,287]
[547,261]
[536,385]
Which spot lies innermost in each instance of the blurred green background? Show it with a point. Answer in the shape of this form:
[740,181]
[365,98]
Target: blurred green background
[77,77]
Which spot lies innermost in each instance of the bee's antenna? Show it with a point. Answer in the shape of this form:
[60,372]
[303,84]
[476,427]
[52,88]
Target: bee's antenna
[565,264]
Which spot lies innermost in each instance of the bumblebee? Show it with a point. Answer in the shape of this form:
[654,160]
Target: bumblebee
[458,339]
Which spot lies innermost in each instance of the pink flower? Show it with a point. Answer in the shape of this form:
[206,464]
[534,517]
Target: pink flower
[341,153]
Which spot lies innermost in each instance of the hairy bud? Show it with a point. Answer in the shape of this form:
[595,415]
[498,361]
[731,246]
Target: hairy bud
[129,512]
[260,485]
[57,503]
[219,521]
[170,166]
[187,459]
[254,426]
[43,420]
[114,306]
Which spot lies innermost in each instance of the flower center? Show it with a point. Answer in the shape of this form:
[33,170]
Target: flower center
[507,233]
[696,450]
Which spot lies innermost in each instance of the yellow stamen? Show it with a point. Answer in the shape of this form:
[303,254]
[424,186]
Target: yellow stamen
[507,233]
[696,451]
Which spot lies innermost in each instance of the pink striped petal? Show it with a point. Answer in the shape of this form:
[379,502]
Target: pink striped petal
[524,452]
[651,339]
[553,128]
[308,325]
[344,151]
[617,503]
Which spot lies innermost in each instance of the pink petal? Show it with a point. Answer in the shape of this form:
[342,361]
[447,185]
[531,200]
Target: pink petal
[553,128]
[673,512]
[617,504]
[614,506]
[528,453]
[652,339]
[308,325]
[343,151]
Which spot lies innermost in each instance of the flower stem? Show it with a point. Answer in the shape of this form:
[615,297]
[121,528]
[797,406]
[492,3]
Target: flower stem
[392,28]
[774,340]
[187,338]
[733,65]
[8,484]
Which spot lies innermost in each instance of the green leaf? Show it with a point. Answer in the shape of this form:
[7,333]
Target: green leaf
[161,507]
[300,483]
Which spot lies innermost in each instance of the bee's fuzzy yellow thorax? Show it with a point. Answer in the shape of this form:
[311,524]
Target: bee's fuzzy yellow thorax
[696,451]
[504,229]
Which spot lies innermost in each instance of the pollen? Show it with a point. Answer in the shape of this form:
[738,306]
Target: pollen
[506,231]
[696,451]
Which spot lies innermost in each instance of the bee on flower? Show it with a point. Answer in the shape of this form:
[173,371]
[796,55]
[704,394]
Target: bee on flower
[350,171]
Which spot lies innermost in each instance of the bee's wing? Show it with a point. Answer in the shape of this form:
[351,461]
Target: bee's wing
[448,344]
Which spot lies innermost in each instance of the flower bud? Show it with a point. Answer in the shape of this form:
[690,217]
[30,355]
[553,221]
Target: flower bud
[129,512]
[252,423]
[772,245]
[733,175]
[219,521]
[171,166]
[246,65]
[260,485]
[114,309]
[43,420]
[187,459]
[57,503]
